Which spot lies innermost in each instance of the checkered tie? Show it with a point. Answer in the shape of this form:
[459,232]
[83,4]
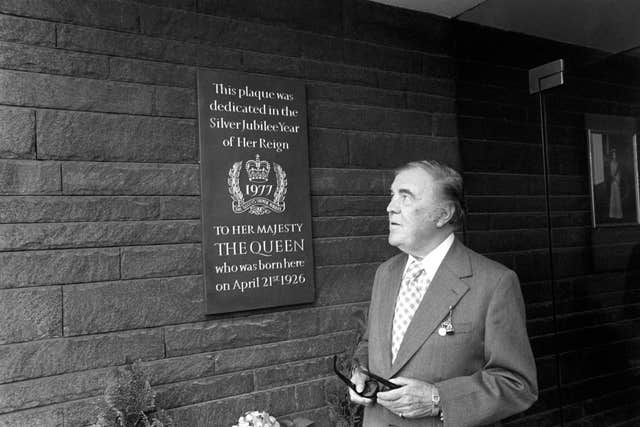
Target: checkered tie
[411,292]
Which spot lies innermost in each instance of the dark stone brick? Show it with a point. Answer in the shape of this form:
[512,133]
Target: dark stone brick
[28,31]
[471,127]
[225,333]
[279,401]
[389,151]
[132,304]
[502,241]
[204,389]
[501,183]
[315,46]
[344,284]
[52,61]
[292,373]
[349,117]
[327,148]
[348,205]
[94,13]
[102,137]
[50,390]
[331,319]
[180,207]
[444,125]
[174,369]
[255,62]
[151,72]
[30,314]
[416,83]
[349,181]
[350,226]
[532,265]
[351,250]
[431,103]
[17,133]
[501,157]
[219,31]
[49,91]
[161,261]
[375,56]
[176,4]
[438,66]
[50,415]
[320,16]
[21,269]
[216,57]
[177,102]
[217,412]
[505,204]
[574,236]
[87,234]
[505,221]
[310,395]
[62,355]
[338,73]
[270,354]
[15,209]
[29,177]
[355,95]
[123,44]
[130,179]
[491,74]
[493,110]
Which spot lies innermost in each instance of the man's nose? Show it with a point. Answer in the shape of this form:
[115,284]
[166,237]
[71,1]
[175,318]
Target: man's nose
[392,206]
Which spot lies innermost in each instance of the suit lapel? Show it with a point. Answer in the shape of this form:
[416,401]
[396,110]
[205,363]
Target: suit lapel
[445,290]
[393,279]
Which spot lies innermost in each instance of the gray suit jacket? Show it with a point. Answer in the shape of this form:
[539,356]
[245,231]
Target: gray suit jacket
[485,371]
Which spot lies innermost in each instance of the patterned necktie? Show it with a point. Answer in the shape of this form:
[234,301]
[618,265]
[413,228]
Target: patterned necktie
[411,292]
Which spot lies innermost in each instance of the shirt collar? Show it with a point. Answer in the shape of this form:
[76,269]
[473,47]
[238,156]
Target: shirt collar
[431,262]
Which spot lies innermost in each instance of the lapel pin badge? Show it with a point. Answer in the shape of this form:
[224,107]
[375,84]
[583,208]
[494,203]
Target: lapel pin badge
[446,328]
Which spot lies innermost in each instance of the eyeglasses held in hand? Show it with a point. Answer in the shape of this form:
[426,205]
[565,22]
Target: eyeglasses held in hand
[372,385]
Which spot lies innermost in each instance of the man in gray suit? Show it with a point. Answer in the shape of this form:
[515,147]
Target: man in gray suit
[445,323]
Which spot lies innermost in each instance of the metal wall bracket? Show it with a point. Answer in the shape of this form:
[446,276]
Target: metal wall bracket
[546,76]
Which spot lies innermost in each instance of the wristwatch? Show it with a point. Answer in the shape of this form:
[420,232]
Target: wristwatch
[435,400]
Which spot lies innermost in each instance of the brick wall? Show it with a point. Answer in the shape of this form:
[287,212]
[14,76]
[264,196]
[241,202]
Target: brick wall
[100,256]
[596,335]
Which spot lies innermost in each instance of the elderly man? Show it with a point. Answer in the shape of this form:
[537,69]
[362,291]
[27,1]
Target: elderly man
[445,323]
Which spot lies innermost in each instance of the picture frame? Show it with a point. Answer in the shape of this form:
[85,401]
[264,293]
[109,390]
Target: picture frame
[613,172]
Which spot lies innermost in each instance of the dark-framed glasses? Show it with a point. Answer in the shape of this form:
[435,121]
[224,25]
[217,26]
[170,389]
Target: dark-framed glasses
[372,385]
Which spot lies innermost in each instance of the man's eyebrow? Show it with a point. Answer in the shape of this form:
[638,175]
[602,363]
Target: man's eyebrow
[402,191]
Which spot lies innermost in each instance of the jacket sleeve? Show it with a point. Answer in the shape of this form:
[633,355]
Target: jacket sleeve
[362,349]
[507,383]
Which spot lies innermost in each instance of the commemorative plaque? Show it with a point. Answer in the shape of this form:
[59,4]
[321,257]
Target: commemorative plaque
[256,212]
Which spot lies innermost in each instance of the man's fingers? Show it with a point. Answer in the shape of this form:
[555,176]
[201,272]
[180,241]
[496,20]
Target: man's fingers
[401,380]
[355,398]
[391,395]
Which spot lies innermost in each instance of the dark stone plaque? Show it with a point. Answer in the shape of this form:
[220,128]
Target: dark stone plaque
[256,212]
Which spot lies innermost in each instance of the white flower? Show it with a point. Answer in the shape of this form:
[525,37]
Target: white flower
[257,419]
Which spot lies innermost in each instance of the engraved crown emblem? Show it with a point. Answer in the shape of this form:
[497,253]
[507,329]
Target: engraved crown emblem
[258,170]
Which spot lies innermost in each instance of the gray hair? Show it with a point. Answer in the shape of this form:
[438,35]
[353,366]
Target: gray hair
[449,183]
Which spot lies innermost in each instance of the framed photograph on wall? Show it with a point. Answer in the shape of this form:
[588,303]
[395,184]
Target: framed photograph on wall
[613,176]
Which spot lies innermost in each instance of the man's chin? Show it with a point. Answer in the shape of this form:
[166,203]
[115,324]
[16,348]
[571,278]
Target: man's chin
[393,241]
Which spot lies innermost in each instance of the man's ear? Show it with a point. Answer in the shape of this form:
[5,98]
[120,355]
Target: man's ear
[446,212]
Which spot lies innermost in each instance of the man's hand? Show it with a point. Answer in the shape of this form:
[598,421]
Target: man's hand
[412,400]
[358,378]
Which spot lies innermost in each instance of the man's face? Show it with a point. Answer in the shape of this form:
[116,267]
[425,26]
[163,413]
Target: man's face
[412,211]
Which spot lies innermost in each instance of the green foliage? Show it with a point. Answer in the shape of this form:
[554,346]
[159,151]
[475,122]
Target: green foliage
[130,401]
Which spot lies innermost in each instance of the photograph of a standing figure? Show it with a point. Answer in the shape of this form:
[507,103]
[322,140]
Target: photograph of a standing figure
[614,178]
